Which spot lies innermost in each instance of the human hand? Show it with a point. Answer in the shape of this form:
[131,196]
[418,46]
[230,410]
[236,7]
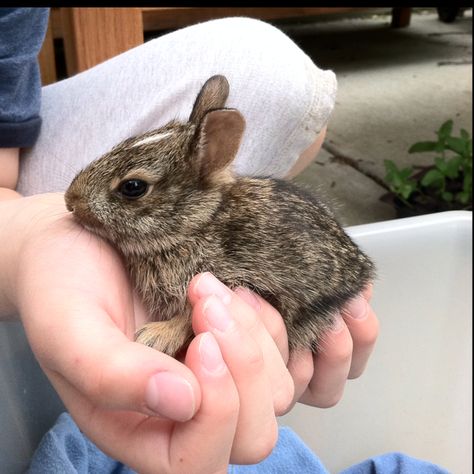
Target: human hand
[139,406]
[319,379]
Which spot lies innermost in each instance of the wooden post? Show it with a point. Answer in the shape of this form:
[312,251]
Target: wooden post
[93,35]
[46,58]
[401,17]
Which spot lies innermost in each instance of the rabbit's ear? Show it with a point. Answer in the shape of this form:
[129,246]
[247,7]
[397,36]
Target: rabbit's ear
[218,140]
[213,95]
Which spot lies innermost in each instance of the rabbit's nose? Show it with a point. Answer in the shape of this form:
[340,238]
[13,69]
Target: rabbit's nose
[72,200]
[69,202]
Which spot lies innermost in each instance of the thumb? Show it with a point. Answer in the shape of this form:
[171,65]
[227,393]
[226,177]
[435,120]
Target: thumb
[113,372]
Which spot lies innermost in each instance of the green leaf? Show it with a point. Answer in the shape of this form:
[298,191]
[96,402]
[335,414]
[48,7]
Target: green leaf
[406,190]
[405,173]
[447,196]
[464,134]
[390,169]
[420,147]
[445,130]
[397,177]
[397,181]
[433,178]
[453,166]
[456,144]
[390,166]
[441,164]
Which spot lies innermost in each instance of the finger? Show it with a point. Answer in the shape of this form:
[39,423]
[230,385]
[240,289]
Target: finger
[368,292]
[208,437]
[332,363]
[270,317]
[363,326]
[150,444]
[114,372]
[301,368]
[245,360]
[206,284]
[262,322]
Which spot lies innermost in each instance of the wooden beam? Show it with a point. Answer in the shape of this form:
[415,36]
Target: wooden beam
[156,18]
[93,35]
[401,17]
[46,58]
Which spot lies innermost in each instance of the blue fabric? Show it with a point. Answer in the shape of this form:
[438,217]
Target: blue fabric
[22,32]
[290,455]
[394,463]
[65,450]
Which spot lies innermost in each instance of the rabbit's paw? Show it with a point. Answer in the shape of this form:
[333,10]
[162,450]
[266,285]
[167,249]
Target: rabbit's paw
[169,337]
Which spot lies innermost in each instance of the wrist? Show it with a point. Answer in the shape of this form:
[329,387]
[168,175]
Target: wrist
[9,165]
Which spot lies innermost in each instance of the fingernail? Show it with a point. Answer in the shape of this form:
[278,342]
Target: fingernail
[170,396]
[208,284]
[357,308]
[217,313]
[210,353]
[249,297]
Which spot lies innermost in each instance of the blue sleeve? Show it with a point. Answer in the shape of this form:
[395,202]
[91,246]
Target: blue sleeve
[65,450]
[22,32]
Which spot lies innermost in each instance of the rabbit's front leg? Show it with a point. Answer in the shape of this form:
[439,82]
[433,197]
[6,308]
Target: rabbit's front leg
[170,337]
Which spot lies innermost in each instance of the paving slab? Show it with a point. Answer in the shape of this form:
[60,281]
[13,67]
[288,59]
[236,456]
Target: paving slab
[395,87]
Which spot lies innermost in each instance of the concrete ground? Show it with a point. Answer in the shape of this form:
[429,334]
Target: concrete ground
[395,87]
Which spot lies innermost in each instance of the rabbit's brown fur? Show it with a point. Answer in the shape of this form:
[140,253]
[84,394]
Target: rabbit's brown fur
[264,234]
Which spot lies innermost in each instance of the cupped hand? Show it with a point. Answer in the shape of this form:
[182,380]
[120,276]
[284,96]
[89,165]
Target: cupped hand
[142,407]
[314,379]
[320,378]
[139,406]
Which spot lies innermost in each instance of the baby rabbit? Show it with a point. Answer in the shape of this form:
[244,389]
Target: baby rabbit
[168,201]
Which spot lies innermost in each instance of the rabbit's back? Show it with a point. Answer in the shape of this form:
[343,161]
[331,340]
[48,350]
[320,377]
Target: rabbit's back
[281,242]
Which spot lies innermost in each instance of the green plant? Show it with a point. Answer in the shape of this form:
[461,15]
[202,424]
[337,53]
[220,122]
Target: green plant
[448,180]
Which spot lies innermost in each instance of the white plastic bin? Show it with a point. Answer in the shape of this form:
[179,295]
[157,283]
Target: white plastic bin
[416,394]
[414,397]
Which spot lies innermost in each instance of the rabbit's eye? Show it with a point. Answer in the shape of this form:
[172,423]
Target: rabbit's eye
[133,188]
